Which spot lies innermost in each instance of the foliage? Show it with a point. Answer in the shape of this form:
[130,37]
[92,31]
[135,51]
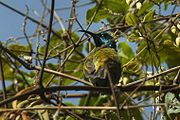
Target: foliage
[148,44]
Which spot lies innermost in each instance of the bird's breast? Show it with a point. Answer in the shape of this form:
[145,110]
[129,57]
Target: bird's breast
[96,62]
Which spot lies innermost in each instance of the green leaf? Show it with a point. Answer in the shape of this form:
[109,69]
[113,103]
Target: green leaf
[74,69]
[131,19]
[134,37]
[108,9]
[28,76]
[117,6]
[96,100]
[146,6]
[167,3]
[162,49]
[69,118]
[52,66]
[149,56]
[47,77]
[133,67]
[19,49]
[171,52]
[149,16]
[136,113]
[125,52]
[100,15]
[57,42]
[129,114]
[43,114]
[72,66]
[110,115]
[8,71]
[173,103]
[149,26]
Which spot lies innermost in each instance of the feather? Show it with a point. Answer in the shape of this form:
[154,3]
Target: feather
[94,66]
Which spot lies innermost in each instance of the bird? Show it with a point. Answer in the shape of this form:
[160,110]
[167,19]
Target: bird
[102,60]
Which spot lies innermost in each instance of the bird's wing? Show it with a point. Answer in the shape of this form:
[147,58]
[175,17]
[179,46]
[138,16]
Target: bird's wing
[88,67]
[93,68]
[94,64]
[106,57]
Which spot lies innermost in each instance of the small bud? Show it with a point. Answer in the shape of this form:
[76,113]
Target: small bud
[128,1]
[178,41]
[28,58]
[178,26]
[173,29]
[138,5]
[141,38]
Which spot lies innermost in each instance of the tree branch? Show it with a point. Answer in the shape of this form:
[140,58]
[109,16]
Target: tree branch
[153,76]
[2,79]
[34,90]
[85,107]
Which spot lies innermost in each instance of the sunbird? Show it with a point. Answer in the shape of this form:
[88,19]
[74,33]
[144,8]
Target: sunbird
[102,60]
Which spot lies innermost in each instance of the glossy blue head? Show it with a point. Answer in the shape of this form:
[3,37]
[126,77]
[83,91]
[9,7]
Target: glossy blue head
[101,39]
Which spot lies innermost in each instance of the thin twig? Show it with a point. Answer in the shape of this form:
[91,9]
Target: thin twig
[18,70]
[35,90]
[72,15]
[154,76]
[39,81]
[91,20]
[113,91]
[3,80]
[82,5]
[40,33]
[84,107]
[23,29]
[176,80]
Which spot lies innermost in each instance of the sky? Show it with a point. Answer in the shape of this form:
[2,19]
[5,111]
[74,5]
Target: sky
[11,22]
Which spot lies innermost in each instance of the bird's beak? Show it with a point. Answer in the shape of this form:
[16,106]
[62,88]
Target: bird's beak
[90,33]
[95,37]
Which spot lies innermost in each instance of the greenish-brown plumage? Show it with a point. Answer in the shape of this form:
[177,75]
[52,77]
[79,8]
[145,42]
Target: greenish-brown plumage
[102,59]
[95,66]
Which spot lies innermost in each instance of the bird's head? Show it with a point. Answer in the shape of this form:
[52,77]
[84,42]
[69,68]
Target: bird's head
[101,39]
